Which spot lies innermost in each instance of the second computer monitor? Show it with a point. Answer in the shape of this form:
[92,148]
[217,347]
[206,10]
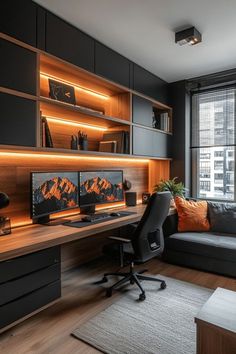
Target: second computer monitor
[100,187]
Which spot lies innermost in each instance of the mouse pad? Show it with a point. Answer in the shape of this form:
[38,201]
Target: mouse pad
[79,224]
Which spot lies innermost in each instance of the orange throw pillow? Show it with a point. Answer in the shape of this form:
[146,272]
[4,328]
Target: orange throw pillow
[192,216]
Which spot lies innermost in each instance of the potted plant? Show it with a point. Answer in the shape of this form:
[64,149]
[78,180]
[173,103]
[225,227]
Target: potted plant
[170,185]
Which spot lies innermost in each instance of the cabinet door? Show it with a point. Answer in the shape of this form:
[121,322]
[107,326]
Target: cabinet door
[112,65]
[41,27]
[18,20]
[142,141]
[17,74]
[18,120]
[148,142]
[149,84]
[161,144]
[67,42]
[142,111]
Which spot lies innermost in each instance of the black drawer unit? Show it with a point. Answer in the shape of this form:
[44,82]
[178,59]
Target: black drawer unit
[17,68]
[28,283]
[31,302]
[148,142]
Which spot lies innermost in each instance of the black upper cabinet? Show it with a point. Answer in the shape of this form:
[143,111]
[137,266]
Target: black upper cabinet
[112,65]
[149,84]
[17,74]
[67,42]
[18,120]
[142,111]
[41,27]
[18,20]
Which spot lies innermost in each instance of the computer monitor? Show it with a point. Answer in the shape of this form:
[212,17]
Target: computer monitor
[100,187]
[52,192]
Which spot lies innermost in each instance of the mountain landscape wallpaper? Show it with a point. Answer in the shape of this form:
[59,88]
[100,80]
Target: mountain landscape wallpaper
[100,187]
[53,192]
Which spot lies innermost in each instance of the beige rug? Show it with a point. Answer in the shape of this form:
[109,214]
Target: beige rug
[162,324]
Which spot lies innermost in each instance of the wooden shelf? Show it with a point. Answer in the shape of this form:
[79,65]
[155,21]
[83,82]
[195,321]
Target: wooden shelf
[110,121]
[73,153]
[150,128]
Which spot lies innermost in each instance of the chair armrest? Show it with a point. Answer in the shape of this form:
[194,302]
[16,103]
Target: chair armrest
[120,239]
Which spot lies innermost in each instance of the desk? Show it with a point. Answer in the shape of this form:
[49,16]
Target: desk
[30,276]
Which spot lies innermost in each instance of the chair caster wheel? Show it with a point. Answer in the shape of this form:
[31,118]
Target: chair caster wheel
[104,280]
[163,285]
[142,297]
[131,282]
[109,292]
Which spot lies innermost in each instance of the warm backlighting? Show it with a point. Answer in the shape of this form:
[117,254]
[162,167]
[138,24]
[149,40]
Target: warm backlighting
[70,157]
[76,86]
[75,124]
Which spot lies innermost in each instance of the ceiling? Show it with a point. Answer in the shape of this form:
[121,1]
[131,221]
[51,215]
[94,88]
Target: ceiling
[143,31]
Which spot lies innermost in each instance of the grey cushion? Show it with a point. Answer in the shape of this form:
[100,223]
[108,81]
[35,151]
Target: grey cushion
[222,217]
[209,244]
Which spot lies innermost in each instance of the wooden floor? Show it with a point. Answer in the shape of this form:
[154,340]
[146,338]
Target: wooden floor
[49,331]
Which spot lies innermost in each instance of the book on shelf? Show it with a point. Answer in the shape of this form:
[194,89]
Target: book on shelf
[121,138]
[46,137]
[108,146]
[161,120]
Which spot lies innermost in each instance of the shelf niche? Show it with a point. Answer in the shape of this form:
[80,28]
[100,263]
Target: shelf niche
[90,91]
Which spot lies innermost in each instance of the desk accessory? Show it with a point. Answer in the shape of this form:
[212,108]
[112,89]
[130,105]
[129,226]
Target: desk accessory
[5,223]
[82,141]
[61,92]
[130,198]
[145,198]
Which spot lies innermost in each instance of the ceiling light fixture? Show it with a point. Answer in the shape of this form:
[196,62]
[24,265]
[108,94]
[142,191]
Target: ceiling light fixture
[188,36]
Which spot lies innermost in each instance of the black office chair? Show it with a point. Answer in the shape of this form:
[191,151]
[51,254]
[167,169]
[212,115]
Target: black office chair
[145,242]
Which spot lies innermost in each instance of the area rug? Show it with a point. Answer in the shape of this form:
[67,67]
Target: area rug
[162,324]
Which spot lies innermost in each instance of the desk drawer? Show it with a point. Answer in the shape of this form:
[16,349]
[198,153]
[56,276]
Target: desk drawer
[16,288]
[18,267]
[23,306]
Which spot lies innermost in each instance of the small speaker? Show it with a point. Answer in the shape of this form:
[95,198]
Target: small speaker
[130,198]
[145,198]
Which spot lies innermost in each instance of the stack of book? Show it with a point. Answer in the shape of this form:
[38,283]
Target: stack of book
[116,141]
[161,120]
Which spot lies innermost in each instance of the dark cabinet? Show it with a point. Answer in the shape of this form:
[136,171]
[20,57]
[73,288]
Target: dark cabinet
[67,42]
[28,283]
[18,120]
[112,65]
[18,75]
[18,20]
[41,28]
[142,111]
[148,142]
[149,84]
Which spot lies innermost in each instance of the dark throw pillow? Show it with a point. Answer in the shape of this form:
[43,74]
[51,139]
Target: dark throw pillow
[222,217]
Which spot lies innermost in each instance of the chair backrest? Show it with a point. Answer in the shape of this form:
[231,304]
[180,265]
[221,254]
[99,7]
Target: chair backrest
[148,240]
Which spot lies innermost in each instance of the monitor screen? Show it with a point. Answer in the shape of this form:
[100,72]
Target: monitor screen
[53,192]
[100,187]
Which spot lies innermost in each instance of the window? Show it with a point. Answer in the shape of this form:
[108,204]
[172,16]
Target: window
[213,144]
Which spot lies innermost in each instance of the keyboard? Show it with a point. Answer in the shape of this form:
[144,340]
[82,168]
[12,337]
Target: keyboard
[95,217]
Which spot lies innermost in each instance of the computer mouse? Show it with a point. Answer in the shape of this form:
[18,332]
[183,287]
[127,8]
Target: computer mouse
[115,214]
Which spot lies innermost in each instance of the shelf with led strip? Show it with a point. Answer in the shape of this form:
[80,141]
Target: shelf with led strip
[39,152]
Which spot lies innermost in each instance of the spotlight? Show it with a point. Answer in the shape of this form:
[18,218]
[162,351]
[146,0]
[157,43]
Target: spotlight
[188,36]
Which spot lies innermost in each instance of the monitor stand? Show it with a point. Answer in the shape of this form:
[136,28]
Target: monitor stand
[87,210]
[45,220]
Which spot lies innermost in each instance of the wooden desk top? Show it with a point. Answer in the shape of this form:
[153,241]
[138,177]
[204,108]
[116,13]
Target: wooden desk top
[220,310]
[36,237]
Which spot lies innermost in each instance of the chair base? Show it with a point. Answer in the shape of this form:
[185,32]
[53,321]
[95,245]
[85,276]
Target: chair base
[133,278]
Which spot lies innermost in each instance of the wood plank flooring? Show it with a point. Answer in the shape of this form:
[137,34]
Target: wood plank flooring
[49,332]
